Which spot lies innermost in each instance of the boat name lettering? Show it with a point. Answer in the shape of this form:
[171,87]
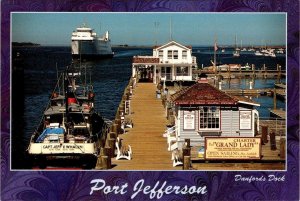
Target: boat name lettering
[59,146]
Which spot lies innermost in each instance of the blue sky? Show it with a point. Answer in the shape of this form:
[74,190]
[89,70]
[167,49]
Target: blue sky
[195,29]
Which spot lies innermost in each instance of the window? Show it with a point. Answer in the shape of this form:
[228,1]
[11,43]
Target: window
[175,54]
[209,118]
[182,71]
[161,54]
[170,56]
[184,54]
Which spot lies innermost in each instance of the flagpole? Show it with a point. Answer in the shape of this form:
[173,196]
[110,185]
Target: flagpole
[215,50]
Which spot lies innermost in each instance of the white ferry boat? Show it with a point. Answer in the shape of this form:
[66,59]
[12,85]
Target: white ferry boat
[86,44]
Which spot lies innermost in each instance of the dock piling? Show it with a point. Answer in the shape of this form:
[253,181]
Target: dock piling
[282,148]
[272,140]
[186,162]
[264,134]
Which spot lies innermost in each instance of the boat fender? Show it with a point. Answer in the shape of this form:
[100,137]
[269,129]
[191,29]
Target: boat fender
[54,95]
[91,95]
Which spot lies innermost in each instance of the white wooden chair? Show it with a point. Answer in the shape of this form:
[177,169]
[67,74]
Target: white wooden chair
[169,131]
[177,158]
[123,152]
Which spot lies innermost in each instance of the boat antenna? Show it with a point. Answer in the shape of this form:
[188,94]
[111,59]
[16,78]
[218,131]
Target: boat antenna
[57,78]
[79,56]
[66,84]
[90,79]
[85,75]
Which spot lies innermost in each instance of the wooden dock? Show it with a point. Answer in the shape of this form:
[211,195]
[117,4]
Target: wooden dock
[149,147]
[278,113]
[266,91]
[279,85]
[243,73]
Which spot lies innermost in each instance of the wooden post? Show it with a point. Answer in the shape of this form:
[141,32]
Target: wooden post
[99,163]
[186,152]
[264,134]
[106,163]
[114,128]
[118,122]
[121,110]
[253,71]
[188,143]
[272,140]
[274,99]
[111,143]
[107,152]
[113,135]
[186,162]
[282,148]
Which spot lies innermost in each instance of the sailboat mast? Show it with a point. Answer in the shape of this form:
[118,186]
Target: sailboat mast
[215,52]
[66,84]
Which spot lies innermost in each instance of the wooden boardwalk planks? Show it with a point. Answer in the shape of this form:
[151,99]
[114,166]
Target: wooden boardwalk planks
[149,123]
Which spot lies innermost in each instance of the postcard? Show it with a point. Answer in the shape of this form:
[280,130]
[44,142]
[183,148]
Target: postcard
[150,100]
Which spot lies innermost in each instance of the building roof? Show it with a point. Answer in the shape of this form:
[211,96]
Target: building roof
[172,43]
[202,94]
[247,101]
[145,59]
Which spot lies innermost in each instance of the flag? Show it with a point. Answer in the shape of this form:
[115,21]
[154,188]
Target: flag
[216,48]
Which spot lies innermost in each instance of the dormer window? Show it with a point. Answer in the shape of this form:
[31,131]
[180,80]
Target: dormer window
[184,54]
[175,54]
[170,56]
[161,54]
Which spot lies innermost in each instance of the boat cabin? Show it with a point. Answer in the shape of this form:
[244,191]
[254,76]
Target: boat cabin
[202,110]
[169,62]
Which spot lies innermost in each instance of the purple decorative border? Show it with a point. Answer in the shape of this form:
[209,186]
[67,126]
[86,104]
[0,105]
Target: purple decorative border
[22,185]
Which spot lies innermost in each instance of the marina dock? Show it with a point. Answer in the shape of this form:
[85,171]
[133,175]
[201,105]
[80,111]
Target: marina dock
[278,113]
[244,73]
[149,123]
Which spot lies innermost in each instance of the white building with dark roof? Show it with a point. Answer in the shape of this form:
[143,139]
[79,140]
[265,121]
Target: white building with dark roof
[169,62]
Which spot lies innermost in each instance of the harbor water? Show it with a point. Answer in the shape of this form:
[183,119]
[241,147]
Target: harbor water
[39,67]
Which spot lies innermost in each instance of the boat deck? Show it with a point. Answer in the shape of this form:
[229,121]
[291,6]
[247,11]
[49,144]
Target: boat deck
[149,147]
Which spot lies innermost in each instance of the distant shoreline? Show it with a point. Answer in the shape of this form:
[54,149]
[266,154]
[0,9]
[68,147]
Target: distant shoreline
[29,44]
[25,44]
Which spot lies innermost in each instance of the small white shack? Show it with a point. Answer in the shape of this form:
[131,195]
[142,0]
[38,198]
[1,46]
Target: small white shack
[202,110]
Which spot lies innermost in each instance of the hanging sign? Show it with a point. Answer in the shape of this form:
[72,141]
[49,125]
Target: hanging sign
[189,120]
[245,120]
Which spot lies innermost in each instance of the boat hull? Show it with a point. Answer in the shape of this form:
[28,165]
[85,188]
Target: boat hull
[91,49]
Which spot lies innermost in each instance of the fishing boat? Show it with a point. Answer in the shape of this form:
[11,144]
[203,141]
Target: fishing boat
[258,53]
[70,127]
[236,53]
[86,44]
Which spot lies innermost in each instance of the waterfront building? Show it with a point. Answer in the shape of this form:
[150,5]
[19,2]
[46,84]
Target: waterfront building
[169,62]
[202,110]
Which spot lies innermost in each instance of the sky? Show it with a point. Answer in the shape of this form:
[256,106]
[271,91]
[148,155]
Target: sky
[196,29]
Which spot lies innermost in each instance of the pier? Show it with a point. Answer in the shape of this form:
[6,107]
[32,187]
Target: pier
[149,123]
[244,73]
[278,113]
[266,91]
